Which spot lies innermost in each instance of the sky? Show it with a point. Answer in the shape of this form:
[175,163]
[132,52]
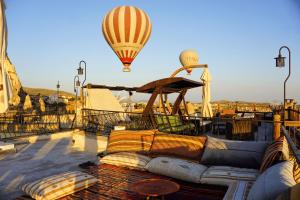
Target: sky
[237,39]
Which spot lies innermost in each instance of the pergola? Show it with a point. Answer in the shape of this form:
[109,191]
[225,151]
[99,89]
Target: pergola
[167,86]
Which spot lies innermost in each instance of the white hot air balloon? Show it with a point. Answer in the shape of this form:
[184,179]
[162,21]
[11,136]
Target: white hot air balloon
[188,58]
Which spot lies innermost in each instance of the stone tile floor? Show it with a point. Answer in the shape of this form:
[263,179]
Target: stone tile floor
[35,161]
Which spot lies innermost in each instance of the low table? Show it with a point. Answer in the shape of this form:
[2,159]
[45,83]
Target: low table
[155,188]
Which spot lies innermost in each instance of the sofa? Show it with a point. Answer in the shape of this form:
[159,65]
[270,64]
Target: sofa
[250,169]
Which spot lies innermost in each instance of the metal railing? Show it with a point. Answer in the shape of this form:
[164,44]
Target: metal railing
[292,141]
[21,124]
[102,122]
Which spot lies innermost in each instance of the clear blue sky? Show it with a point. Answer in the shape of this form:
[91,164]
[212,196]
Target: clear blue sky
[237,39]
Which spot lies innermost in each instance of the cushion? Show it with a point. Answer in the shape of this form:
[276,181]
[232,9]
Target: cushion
[130,141]
[273,181]
[276,152]
[244,154]
[225,175]
[188,147]
[60,185]
[292,193]
[126,159]
[297,172]
[238,190]
[177,168]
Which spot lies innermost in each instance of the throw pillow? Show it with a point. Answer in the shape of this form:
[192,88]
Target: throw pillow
[60,185]
[130,141]
[188,147]
[244,154]
[126,159]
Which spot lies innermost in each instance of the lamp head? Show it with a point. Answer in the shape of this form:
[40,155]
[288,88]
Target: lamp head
[280,61]
[80,70]
[58,85]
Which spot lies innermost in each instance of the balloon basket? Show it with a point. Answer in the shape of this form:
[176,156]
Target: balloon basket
[126,70]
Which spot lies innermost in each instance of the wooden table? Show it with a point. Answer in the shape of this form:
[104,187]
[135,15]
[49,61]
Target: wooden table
[155,188]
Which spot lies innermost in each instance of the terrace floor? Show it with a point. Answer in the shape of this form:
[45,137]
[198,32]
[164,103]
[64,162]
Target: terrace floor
[35,161]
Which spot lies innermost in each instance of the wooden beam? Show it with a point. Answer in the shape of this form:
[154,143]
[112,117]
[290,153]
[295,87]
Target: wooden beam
[292,123]
[147,110]
[178,101]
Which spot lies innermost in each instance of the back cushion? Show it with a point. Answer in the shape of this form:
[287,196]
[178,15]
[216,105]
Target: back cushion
[233,153]
[188,147]
[130,141]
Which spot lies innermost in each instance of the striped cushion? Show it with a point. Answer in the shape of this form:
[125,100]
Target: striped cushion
[60,185]
[277,151]
[130,141]
[296,169]
[224,175]
[238,190]
[126,159]
[188,147]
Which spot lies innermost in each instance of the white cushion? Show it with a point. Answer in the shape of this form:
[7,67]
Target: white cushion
[60,185]
[273,181]
[225,175]
[126,159]
[177,168]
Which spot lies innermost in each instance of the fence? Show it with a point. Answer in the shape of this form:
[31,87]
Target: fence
[102,122]
[21,124]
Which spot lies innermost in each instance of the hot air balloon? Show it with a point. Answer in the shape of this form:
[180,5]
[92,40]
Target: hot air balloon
[188,58]
[126,29]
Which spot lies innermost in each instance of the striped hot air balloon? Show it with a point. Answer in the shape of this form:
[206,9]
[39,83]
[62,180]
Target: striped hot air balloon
[126,29]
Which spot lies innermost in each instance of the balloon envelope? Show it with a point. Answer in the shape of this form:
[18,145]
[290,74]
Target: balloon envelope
[126,29]
[188,58]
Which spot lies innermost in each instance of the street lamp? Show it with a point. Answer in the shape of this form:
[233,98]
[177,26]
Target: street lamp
[280,62]
[76,84]
[80,70]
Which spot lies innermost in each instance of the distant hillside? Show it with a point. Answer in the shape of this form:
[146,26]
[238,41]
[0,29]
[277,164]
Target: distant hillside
[45,92]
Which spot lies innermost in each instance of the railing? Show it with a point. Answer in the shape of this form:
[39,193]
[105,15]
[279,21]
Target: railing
[292,141]
[102,122]
[21,124]
[293,115]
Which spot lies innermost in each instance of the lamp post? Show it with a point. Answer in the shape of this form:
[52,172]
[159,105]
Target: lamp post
[76,84]
[280,62]
[57,91]
[81,72]
[57,111]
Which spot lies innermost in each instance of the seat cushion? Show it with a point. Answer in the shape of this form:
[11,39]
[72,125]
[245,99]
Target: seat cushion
[177,168]
[187,147]
[238,190]
[130,141]
[126,159]
[276,152]
[224,175]
[59,185]
[244,154]
[273,181]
